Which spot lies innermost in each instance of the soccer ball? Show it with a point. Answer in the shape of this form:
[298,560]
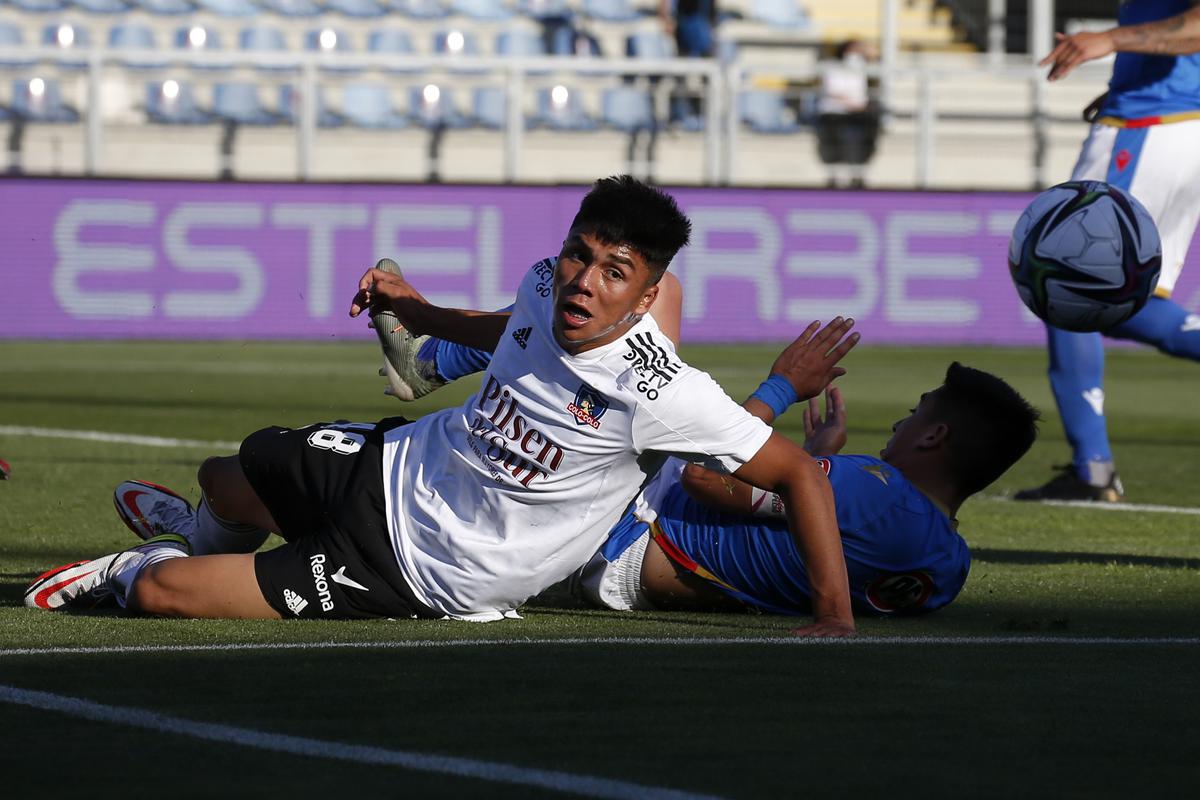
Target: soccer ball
[1085,256]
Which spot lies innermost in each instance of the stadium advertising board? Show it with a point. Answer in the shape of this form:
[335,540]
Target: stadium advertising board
[115,259]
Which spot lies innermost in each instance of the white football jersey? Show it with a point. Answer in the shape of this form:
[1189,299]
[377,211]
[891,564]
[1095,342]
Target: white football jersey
[492,502]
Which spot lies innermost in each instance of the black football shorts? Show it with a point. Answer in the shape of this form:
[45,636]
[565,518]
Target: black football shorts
[323,484]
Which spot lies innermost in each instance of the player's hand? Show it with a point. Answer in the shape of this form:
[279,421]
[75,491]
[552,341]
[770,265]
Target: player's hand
[810,362]
[830,628]
[386,290]
[1078,48]
[825,437]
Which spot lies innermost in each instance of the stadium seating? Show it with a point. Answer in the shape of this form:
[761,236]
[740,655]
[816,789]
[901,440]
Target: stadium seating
[391,40]
[432,106]
[10,37]
[265,39]
[649,44]
[483,10]
[137,44]
[764,111]
[165,8]
[420,9]
[544,9]
[40,100]
[196,38]
[239,103]
[101,6]
[779,13]
[627,109]
[39,6]
[293,8]
[228,8]
[171,102]
[452,42]
[369,105]
[289,108]
[610,10]
[561,108]
[68,38]
[489,107]
[361,9]
[520,42]
[330,40]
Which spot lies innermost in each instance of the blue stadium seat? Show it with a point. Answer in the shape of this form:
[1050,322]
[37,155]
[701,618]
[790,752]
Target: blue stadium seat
[228,8]
[649,44]
[40,100]
[292,8]
[197,38]
[289,108]
[240,103]
[779,13]
[543,9]
[391,40]
[67,38]
[561,109]
[483,10]
[369,105]
[170,102]
[38,6]
[489,107]
[455,42]
[610,10]
[420,9]
[436,110]
[361,9]
[627,109]
[137,45]
[330,40]
[11,37]
[520,42]
[166,8]
[566,41]
[101,6]
[265,39]
[764,111]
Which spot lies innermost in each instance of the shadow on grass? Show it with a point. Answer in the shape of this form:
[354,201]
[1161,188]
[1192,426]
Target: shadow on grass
[1034,557]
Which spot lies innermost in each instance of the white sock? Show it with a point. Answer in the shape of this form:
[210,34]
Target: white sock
[214,535]
[127,566]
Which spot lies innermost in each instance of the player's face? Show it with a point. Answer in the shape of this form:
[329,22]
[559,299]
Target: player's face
[600,292]
[909,433]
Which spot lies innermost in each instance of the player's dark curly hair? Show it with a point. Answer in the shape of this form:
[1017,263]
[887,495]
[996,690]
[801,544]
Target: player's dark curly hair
[623,210]
[991,424]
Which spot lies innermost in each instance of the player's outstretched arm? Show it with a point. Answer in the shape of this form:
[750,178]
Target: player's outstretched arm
[782,467]
[478,329]
[807,365]
[1174,36]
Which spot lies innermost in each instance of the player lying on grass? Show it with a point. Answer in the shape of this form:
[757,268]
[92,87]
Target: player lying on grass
[469,511]
[695,539]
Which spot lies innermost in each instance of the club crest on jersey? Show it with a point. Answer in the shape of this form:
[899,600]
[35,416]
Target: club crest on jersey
[825,464]
[588,407]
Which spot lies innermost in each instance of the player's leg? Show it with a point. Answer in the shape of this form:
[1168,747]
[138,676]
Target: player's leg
[201,587]
[1076,360]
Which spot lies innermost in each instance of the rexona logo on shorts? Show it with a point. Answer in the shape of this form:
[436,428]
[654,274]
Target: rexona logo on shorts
[318,572]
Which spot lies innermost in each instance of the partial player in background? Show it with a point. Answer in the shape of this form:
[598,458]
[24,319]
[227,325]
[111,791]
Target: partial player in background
[696,540]
[1145,138]
[469,511]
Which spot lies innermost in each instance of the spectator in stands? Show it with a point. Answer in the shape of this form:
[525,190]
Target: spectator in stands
[692,23]
[847,119]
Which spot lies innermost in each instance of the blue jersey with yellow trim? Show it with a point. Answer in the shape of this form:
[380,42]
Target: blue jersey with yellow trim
[1145,86]
[902,553]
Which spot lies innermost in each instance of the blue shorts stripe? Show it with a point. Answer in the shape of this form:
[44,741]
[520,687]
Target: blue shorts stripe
[1126,152]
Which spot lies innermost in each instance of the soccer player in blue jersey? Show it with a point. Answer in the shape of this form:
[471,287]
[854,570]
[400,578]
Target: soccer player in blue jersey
[1145,138]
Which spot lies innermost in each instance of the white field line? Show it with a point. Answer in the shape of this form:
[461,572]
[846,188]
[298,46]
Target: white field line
[585,785]
[776,641]
[114,438]
[1141,507]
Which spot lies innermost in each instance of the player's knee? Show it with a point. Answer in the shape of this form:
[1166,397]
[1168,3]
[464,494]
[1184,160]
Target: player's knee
[153,594]
[222,481]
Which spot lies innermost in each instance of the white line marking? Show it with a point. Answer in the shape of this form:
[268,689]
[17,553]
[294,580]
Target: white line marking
[1189,510]
[362,754]
[790,641]
[115,438]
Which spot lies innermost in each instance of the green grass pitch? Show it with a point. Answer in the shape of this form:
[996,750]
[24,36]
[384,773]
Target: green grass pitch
[1068,666]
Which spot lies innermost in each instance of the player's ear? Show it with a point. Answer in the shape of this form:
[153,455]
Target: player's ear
[934,436]
[648,298]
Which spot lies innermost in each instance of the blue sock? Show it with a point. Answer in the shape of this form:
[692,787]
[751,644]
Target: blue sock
[1165,324]
[1077,378]
[454,361]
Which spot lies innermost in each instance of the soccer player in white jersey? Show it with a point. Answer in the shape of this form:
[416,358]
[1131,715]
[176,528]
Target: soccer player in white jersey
[1145,138]
[468,512]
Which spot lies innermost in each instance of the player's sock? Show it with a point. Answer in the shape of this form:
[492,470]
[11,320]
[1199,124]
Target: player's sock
[453,361]
[1165,324]
[215,535]
[128,565]
[1077,378]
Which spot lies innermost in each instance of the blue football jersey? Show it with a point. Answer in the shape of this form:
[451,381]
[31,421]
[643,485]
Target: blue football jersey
[902,553]
[1145,87]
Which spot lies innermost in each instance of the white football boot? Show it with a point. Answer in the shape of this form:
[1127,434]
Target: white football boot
[80,584]
[408,375]
[151,510]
